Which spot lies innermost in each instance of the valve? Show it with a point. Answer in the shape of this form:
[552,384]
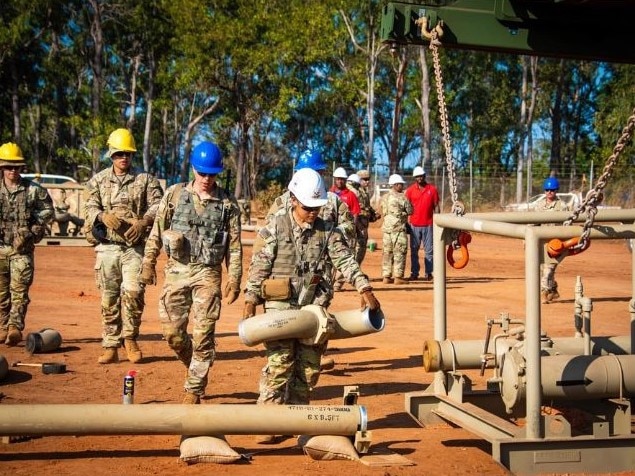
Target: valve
[572,246]
[461,242]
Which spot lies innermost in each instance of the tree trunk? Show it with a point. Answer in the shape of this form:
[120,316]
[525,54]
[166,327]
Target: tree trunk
[393,157]
[424,106]
[97,35]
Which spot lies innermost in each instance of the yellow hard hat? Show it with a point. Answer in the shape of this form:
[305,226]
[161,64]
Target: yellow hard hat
[11,154]
[120,140]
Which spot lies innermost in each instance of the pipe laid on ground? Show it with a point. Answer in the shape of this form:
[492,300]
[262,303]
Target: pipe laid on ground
[310,322]
[466,354]
[192,420]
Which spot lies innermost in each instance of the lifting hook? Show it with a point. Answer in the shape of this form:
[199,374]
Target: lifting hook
[572,246]
[461,242]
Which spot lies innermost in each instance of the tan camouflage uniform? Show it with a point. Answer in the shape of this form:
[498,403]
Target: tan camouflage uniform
[22,209]
[366,216]
[191,231]
[395,208]
[136,195]
[285,250]
[548,284]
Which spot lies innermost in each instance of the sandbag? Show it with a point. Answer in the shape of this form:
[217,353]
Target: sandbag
[207,449]
[328,447]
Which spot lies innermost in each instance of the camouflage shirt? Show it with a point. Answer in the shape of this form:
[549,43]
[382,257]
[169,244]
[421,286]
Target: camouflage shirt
[29,204]
[134,195]
[556,205]
[306,242]
[173,198]
[395,208]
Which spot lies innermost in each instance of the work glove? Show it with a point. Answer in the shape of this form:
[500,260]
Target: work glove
[22,240]
[249,310]
[38,232]
[110,220]
[232,291]
[148,274]
[137,230]
[370,301]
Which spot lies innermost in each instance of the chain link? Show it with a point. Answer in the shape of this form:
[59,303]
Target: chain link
[595,196]
[457,207]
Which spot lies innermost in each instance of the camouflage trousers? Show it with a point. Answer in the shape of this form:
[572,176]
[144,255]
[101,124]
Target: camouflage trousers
[16,276]
[292,370]
[548,272]
[362,239]
[395,249]
[122,296]
[191,289]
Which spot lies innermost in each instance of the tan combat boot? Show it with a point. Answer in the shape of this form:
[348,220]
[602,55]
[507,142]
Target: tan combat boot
[3,335]
[132,350]
[387,280]
[110,356]
[545,297]
[401,281]
[14,336]
[191,399]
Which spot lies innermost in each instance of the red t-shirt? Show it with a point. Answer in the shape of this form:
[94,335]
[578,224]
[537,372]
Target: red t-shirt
[424,200]
[349,198]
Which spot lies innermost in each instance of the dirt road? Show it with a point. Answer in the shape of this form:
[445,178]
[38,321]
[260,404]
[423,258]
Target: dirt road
[385,365]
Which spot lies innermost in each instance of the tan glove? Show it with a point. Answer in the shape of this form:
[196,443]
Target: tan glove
[38,232]
[137,230]
[22,240]
[249,310]
[232,291]
[370,301]
[110,220]
[148,274]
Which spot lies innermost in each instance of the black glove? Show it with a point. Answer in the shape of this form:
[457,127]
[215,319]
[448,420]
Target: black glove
[232,291]
[38,232]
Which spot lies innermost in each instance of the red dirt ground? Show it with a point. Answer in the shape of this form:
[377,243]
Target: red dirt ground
[385,365]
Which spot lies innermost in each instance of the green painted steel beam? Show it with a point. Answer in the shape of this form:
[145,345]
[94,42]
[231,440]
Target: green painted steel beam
[590,29]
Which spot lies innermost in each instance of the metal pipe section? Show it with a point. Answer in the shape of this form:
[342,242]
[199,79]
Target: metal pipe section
[193,420]
[310,322]
[533,255]
[439,300]
[585,377]
[466,354]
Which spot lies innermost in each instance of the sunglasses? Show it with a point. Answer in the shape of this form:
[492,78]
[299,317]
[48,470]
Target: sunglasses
[310,209]
[13,167]
[122,155]
[202,175]
[550,190]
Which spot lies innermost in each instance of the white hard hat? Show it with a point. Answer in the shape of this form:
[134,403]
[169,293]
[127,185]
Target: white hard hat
[418,171]
[395,179]
[308,187]
[340,172]
[354,178]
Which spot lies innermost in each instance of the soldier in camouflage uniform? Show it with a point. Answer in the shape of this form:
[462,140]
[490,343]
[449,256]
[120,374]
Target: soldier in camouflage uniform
[198,225]
[395,208]
[366,216]
[25,211]
[335,211]
[119,211]
[550,203]
[289,251]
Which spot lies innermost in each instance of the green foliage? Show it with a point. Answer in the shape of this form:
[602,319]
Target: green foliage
[265,198]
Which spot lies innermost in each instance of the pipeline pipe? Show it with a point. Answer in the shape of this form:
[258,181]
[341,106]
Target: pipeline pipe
[193,420]
[466,354]
[311,322]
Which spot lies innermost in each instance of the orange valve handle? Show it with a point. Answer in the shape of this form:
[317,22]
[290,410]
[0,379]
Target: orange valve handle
[556,247]
[460,243]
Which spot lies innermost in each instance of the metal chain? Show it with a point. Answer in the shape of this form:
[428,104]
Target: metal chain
[457,207]
[595,196]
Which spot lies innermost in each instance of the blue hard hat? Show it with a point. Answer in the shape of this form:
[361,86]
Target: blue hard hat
[551,183]
[311,159]
[207,158]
